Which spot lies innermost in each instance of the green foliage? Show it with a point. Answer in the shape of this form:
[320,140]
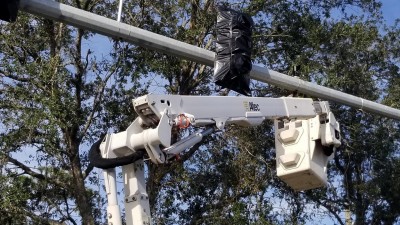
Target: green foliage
[57,96]
[14,199]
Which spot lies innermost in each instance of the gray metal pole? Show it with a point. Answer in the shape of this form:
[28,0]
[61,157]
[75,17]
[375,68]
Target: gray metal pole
[120,10]
[98,24]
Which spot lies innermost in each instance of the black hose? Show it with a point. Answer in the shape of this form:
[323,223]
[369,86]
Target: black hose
[98,161]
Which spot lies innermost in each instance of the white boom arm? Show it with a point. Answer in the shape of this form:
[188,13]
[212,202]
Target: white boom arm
[306,134]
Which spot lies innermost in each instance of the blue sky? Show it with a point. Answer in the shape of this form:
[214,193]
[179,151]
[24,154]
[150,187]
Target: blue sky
[391,10]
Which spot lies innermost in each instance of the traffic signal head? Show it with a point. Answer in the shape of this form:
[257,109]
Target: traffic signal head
[9,10]
[233,62]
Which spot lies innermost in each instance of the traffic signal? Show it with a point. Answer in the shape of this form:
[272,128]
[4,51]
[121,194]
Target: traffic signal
[9,10]
[233,45]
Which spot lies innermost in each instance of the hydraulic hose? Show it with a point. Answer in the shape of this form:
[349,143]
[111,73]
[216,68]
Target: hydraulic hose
[98,161]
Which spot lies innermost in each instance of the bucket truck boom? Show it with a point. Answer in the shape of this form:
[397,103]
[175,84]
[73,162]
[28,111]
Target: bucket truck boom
[306,135]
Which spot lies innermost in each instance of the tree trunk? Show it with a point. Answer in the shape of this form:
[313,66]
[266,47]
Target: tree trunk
[80,194]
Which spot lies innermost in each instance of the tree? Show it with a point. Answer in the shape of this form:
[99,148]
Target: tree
[57,96]
[330,51]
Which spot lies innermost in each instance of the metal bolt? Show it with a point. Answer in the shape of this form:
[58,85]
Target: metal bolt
[133,198]
[109,215]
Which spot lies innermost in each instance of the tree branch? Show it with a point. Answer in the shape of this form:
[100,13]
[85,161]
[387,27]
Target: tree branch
[87,171]
[96,101]
[25,168]
[78,4]
[69,217]
[332,211]
[32,173]
[16,78]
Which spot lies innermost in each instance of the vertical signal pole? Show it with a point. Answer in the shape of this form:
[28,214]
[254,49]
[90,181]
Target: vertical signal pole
[120,10]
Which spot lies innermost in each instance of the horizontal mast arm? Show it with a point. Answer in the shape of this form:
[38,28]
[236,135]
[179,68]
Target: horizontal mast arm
[99,24]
